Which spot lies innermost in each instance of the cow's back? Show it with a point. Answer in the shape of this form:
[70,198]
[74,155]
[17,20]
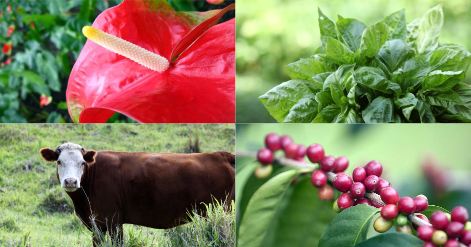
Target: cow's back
[156,190]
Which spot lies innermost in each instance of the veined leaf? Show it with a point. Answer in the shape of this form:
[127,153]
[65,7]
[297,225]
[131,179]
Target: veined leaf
[349,117]
[393,53]
[280,99]
[407,103]
[373,38]
[464,92]
[430,26]
[412,31]
[392,239]
[337,52]
[303,111]
[459,113]
[447,99]
[373,78]
[323,100]
[397,25]
[327,114]
[356,219]
[351,31]
[335,83]
[327,27]
[381,110]
[320,78]
[440,81]
[426,115]
[451,58]
[306,68]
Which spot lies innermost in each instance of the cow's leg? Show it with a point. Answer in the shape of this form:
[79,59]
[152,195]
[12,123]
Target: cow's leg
[99,234]
[116,234]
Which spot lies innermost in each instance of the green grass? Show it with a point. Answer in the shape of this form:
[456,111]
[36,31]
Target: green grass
[35,211]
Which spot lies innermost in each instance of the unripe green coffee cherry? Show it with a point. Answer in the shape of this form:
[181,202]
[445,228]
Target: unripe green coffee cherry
[404,229]
[264,171]
[382,225]
[467,226]
[401,220]
[336,207]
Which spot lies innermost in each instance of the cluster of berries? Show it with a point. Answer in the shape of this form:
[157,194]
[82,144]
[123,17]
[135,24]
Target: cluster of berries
[367,187]
[448,230]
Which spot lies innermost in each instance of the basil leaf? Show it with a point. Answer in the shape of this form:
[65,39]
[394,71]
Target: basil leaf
[373,38]
[280,99]
[303,111]
[407,103]
[458,113]
[412,31]
[351,31]
[306,68]
[375,79]
[451,58]
[327,114]
[447,99]
[426,115]
[393,53]
[336,52]
[430,26]
[323,99]
[335,83]
[349,117]
[397,25]
[320,78]
[327,27]
[381,110]
[440,81]
[464,92]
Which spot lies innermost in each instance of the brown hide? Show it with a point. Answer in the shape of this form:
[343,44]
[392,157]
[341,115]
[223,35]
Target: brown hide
[153,190]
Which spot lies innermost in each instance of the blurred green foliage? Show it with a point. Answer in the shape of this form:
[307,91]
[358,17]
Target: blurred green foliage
[273,33]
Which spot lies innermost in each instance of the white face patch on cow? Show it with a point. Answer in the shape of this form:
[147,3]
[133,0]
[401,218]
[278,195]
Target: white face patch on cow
[70,166]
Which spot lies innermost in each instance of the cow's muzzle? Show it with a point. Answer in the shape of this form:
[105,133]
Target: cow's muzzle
[70,184]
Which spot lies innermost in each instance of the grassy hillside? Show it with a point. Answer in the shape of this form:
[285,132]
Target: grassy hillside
[35,211]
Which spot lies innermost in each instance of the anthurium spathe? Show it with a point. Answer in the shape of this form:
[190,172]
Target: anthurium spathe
[112,73]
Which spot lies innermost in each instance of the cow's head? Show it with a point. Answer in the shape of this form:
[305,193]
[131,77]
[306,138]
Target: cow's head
[71,160]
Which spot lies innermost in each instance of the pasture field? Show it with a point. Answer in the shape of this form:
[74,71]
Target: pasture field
[35,211]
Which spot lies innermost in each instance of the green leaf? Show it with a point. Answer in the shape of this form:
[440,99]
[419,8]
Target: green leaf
[459,113]
[451,58]
[447,99]
[429,29]
[381,110]
[263,209]
[303,111]
[85,10]
[356,219]
[426,115]
[327,27]
[349,117]
[374,78]
[373,38]
[62,105]
[306,68]
[280,99]
[407,103]
[464,92]
[393,53]
[392,239]
[323,100]
[440,81]
[432,209]
[47,20]
[412,30]
[47,67]
[320,78]
[397,25]
[338,53]
[335,83]
[351,31]
[327,114]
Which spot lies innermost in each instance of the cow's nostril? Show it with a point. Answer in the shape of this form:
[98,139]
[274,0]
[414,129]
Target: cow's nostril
[70,182]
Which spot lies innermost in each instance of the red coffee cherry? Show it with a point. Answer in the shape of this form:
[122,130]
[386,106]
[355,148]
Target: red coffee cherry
[273,142]
[421,204]
[439,220]
[315,153]
[265,156]
[389,195]
[454,229]
[318,179]
[301,151]
[371,182]
[452,243]
[363,201]
[466,237]
[460,214]
[406,205]
[439,237]
[327,163]
[389,211]
[357,190]
[342,182]
[373,168]
[359,174]
[429,244]
[340,164]
[382,183]
[285,140]
[345,201]
[326,193]
[291,150]
[375,204]
[425,232]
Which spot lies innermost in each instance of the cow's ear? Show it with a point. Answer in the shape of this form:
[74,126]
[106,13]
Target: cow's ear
[48,154]
[89,156]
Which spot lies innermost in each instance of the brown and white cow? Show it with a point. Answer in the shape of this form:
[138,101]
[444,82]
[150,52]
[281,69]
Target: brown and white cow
[148,189]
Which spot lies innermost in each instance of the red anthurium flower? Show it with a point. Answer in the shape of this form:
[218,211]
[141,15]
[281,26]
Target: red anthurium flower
[43,100]
[215,1]
[7,48]
[8,9]
[186,75]
[10,30]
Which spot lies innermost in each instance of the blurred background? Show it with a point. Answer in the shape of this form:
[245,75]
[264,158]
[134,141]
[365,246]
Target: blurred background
[40,42]
[433,160]
[273,33]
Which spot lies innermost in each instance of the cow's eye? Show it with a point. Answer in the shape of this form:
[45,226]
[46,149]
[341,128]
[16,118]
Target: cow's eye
[59,162]
[83,163]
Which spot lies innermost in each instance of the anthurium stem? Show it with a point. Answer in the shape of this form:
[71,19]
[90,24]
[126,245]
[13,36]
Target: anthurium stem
[124,48]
